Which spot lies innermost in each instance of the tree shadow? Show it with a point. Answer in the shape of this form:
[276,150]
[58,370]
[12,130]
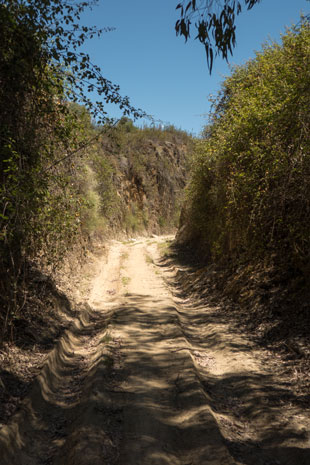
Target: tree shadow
[144,401]
[47,314]
[249,397]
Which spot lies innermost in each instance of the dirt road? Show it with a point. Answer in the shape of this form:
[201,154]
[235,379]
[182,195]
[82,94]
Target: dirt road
[146,377]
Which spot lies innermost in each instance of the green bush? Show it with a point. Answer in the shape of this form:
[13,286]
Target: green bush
[249,194]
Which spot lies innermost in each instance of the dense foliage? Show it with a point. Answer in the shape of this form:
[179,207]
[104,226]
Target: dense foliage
[43,137]
[249,197]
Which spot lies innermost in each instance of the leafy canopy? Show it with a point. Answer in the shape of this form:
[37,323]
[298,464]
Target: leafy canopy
[215,24]
[57,27]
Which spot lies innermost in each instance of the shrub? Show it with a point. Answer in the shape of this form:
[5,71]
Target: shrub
[249,194]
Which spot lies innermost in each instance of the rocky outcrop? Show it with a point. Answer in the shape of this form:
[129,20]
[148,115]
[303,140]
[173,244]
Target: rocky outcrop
[149,176]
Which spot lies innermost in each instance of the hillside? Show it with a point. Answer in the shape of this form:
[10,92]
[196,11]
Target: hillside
[143,188]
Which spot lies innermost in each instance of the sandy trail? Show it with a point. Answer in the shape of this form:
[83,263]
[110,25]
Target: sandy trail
[166,416]
[145,377]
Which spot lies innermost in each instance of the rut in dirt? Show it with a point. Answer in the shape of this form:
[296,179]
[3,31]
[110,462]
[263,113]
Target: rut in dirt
[145,377]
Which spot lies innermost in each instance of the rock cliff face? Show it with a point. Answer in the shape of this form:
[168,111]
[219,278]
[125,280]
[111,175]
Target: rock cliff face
[148,175]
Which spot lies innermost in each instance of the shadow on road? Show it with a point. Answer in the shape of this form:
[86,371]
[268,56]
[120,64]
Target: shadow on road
[146,398]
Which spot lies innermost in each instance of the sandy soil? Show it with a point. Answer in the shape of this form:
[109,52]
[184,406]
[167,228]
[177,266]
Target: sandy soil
[146,376]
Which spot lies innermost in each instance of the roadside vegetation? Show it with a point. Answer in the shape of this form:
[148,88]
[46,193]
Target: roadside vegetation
[64,165]
[43,137]
[249,195]
[247,210]
[126,181]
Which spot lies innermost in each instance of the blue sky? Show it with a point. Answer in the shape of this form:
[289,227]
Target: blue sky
[158,71]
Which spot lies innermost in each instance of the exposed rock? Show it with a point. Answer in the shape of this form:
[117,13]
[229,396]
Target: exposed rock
[149,176]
